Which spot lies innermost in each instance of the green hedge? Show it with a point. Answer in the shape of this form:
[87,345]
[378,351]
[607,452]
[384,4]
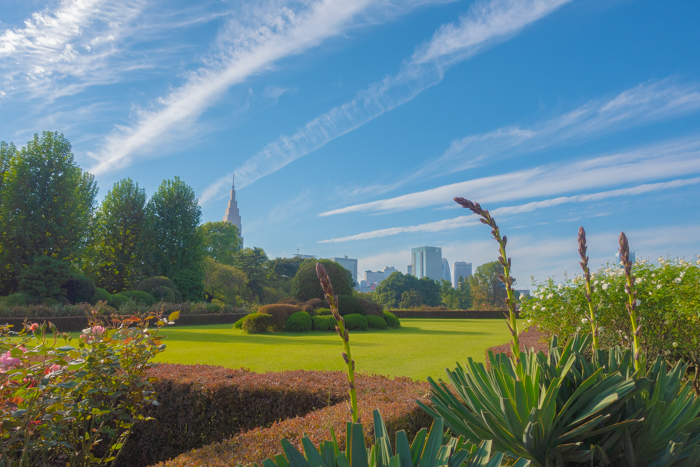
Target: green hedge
[349,305]
[356,322]
[258,323]
[376,322]
[391,320]
[140,297]
[323,323]
[299,322]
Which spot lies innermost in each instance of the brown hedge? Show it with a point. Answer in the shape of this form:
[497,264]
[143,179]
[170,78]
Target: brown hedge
[395,399]
[531,338]
[202,404]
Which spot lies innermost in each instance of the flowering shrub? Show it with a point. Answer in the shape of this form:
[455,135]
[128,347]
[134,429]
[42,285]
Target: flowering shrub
[668,303]
[75,404]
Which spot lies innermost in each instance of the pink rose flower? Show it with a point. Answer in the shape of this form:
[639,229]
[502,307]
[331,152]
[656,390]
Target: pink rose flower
[7,362]
[34,327]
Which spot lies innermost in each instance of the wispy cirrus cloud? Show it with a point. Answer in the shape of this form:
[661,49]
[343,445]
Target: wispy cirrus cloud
[464,221]
[654,162]
[73,41]
[250,43]
[485,24]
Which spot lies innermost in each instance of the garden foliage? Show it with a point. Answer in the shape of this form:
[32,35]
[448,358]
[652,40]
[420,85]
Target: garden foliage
[305,285]
[75,404]
[356,322]
[257,323]
[391,320]
[280,313]
[299,322]
[376,322]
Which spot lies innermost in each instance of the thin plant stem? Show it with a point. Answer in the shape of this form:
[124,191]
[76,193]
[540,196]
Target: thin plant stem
[632,302]
[582,248]
[506,278]
[343,333]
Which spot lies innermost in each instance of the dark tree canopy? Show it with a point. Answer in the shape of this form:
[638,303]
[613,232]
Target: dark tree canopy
[116,256]
[253,263]
[487,290]
[307,286]
[390,292]
[222,241]
[47,205]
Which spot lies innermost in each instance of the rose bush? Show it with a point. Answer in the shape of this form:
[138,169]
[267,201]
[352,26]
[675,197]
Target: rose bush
[75,404]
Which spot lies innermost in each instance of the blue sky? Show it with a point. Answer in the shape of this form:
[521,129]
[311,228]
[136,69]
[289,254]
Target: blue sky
[351,125]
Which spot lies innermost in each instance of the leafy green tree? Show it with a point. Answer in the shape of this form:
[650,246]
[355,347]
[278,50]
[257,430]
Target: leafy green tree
[307,286]
[390,291]
[223,282]
[45,277]
[175,242]
[456,299]
[465,294]
[410,299]
[221,241]
[253,263]
[487,290]
[116,254]
[7,151]
[429,291]
[47,205]
[281,272]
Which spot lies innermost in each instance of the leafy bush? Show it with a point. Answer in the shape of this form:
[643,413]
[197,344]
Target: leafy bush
[101,295]
[45,277]
[239,323]
[116,300]
[80,289]
[74,404]
[323,323]
[189,285]
[307,308]
[349,305]
[356,322]
[18,299]
[280,313]
[305,285]
[391,320]
[370,308]
[141,297]
[299,322]
[163,294]
[152,283]
[376,322]
[323,312]
[258,323]
[313,303]
[289,301]
[669,297]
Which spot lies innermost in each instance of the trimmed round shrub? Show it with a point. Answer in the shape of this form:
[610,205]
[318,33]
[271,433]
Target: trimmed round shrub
[163,294]
[323,323]
[258,323]
[299,322]
[306,285]
[19,299]
[323,312]
[116,300]
[79,289]
[239,324]
[280,312]
[101,295]
[152,283]
[307,308]
[289,301]
[376,322]
[313,303]
[349,305]
[140,297]
[356,322]
[391,320]
[371,308]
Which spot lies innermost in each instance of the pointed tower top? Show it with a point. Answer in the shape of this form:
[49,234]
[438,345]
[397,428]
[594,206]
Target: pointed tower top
[232,215]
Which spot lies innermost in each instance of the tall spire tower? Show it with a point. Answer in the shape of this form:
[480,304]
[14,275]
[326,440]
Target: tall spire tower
[232,215]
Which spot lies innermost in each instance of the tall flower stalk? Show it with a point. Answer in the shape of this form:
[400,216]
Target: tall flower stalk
[343,333]
[632,302]
[506,278]
[582,248]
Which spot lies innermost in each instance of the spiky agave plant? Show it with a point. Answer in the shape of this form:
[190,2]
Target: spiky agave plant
[561,409]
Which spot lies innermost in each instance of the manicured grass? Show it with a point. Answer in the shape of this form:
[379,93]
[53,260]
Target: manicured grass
[421,348]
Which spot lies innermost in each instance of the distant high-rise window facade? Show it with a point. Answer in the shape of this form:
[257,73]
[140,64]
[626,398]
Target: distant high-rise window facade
[446,270]
[426,261]
[461,269]
[348,263]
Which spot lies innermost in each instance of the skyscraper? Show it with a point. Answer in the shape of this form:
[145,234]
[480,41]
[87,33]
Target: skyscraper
[446,270]
[461,269]
[426,261]
[232,215]
[349,264]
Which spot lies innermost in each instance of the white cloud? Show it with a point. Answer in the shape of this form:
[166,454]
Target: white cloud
[486,23]
[75,40]
[673,159]
[250,43]
[464,221]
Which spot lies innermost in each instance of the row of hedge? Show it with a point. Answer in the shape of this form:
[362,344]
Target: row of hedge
[395,399]
[128,308]
[201,405]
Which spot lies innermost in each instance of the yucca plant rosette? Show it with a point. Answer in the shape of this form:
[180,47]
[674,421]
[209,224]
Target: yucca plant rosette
[566,408]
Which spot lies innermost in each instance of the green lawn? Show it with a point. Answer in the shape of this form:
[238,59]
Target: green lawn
[421,348]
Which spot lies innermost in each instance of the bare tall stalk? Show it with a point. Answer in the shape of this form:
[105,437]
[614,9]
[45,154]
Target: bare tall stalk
[582,248]
[343,333]
[632,301]
[505,262]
